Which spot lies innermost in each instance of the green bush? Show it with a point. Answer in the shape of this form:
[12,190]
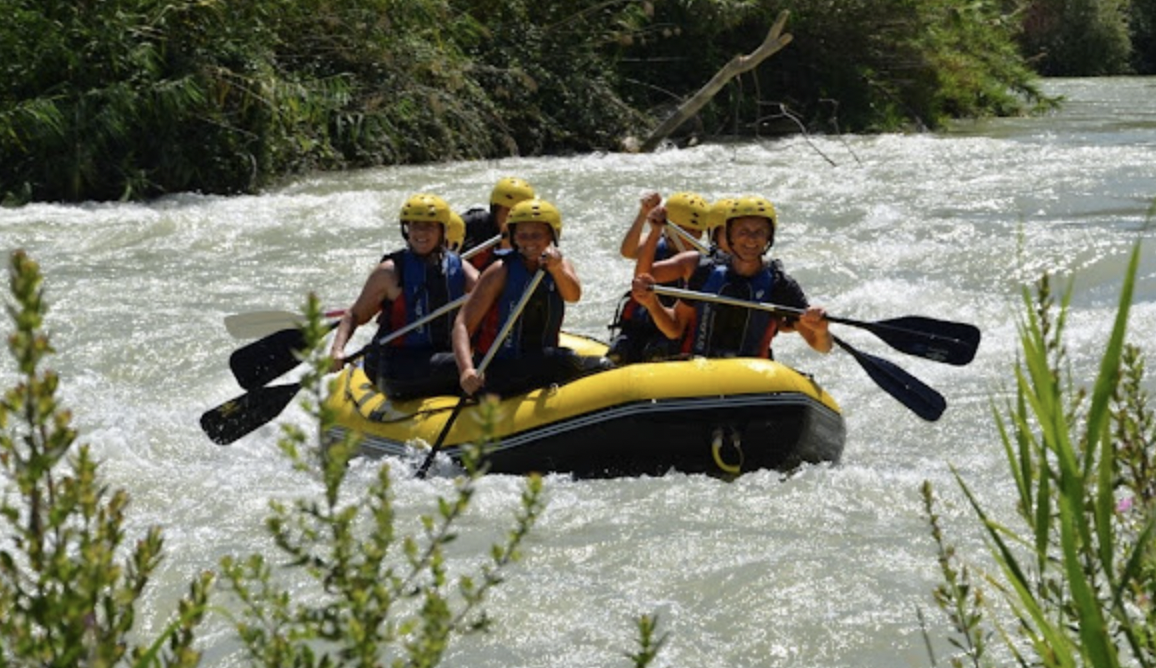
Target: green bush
[1142,29]
[376,593]
[138,98]
[1080,575]
[66,596]
[853,64]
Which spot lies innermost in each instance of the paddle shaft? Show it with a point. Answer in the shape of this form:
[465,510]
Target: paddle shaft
[398,333]
[507,327]
[694,295]
[907,389]
[938,340]
[687,237]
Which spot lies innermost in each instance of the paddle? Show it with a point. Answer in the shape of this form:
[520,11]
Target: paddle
[907,389]
[241,415]
[264,360]
[687,237]
[263,323]
[489,356]
[937,340]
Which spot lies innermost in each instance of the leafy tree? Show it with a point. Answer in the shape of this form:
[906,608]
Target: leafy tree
[853,65]
[1142,26]
[137,98]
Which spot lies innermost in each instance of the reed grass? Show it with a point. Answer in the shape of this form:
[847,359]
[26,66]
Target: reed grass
[1078,569]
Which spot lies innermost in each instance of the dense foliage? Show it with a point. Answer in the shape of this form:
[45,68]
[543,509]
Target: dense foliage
[137,98]
[1090,37]
[853,65]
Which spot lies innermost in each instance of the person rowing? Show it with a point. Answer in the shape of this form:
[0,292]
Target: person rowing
[635,337]
[405,286]
[712,330]
[529,357]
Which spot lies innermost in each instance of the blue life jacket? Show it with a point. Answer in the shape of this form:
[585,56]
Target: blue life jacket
[427,284]
[731,331]
[540,322]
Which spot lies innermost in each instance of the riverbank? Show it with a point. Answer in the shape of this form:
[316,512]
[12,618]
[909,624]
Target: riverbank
[136,100]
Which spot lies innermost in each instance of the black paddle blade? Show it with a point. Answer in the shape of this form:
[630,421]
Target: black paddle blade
[267,359]
[909,390]
[244,414]
[937,340]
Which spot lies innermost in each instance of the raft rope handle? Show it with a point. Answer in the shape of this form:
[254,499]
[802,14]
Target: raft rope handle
[717,440]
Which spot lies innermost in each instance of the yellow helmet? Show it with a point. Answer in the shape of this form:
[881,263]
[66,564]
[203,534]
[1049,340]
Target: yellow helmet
[425,207]
[687,210]
[536,211]
[718,213]
[753,205]
[455,231]
[509,191]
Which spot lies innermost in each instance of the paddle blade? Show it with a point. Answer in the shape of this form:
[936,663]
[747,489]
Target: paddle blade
[244,414]
[909,390]
[938,340]
[265,360]
[256,324]
[260,323]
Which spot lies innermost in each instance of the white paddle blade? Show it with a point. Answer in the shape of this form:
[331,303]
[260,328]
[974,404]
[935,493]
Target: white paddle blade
[258,324]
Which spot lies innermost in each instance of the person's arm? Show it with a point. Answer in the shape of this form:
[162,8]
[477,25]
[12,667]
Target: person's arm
[680,266]
[381,285]
[645,260]
[813,326]
[472,274]
[469,318]
[569,287]
[671,321]
[631,242]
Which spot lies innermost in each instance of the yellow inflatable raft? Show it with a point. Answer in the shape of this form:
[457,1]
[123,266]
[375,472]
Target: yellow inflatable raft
[715,416]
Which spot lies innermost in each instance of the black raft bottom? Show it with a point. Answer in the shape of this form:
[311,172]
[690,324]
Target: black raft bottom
[722,436]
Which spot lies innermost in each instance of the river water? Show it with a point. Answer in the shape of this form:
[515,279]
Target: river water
[823,568]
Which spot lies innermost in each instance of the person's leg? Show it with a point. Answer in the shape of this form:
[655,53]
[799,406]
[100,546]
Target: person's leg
[551,366]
